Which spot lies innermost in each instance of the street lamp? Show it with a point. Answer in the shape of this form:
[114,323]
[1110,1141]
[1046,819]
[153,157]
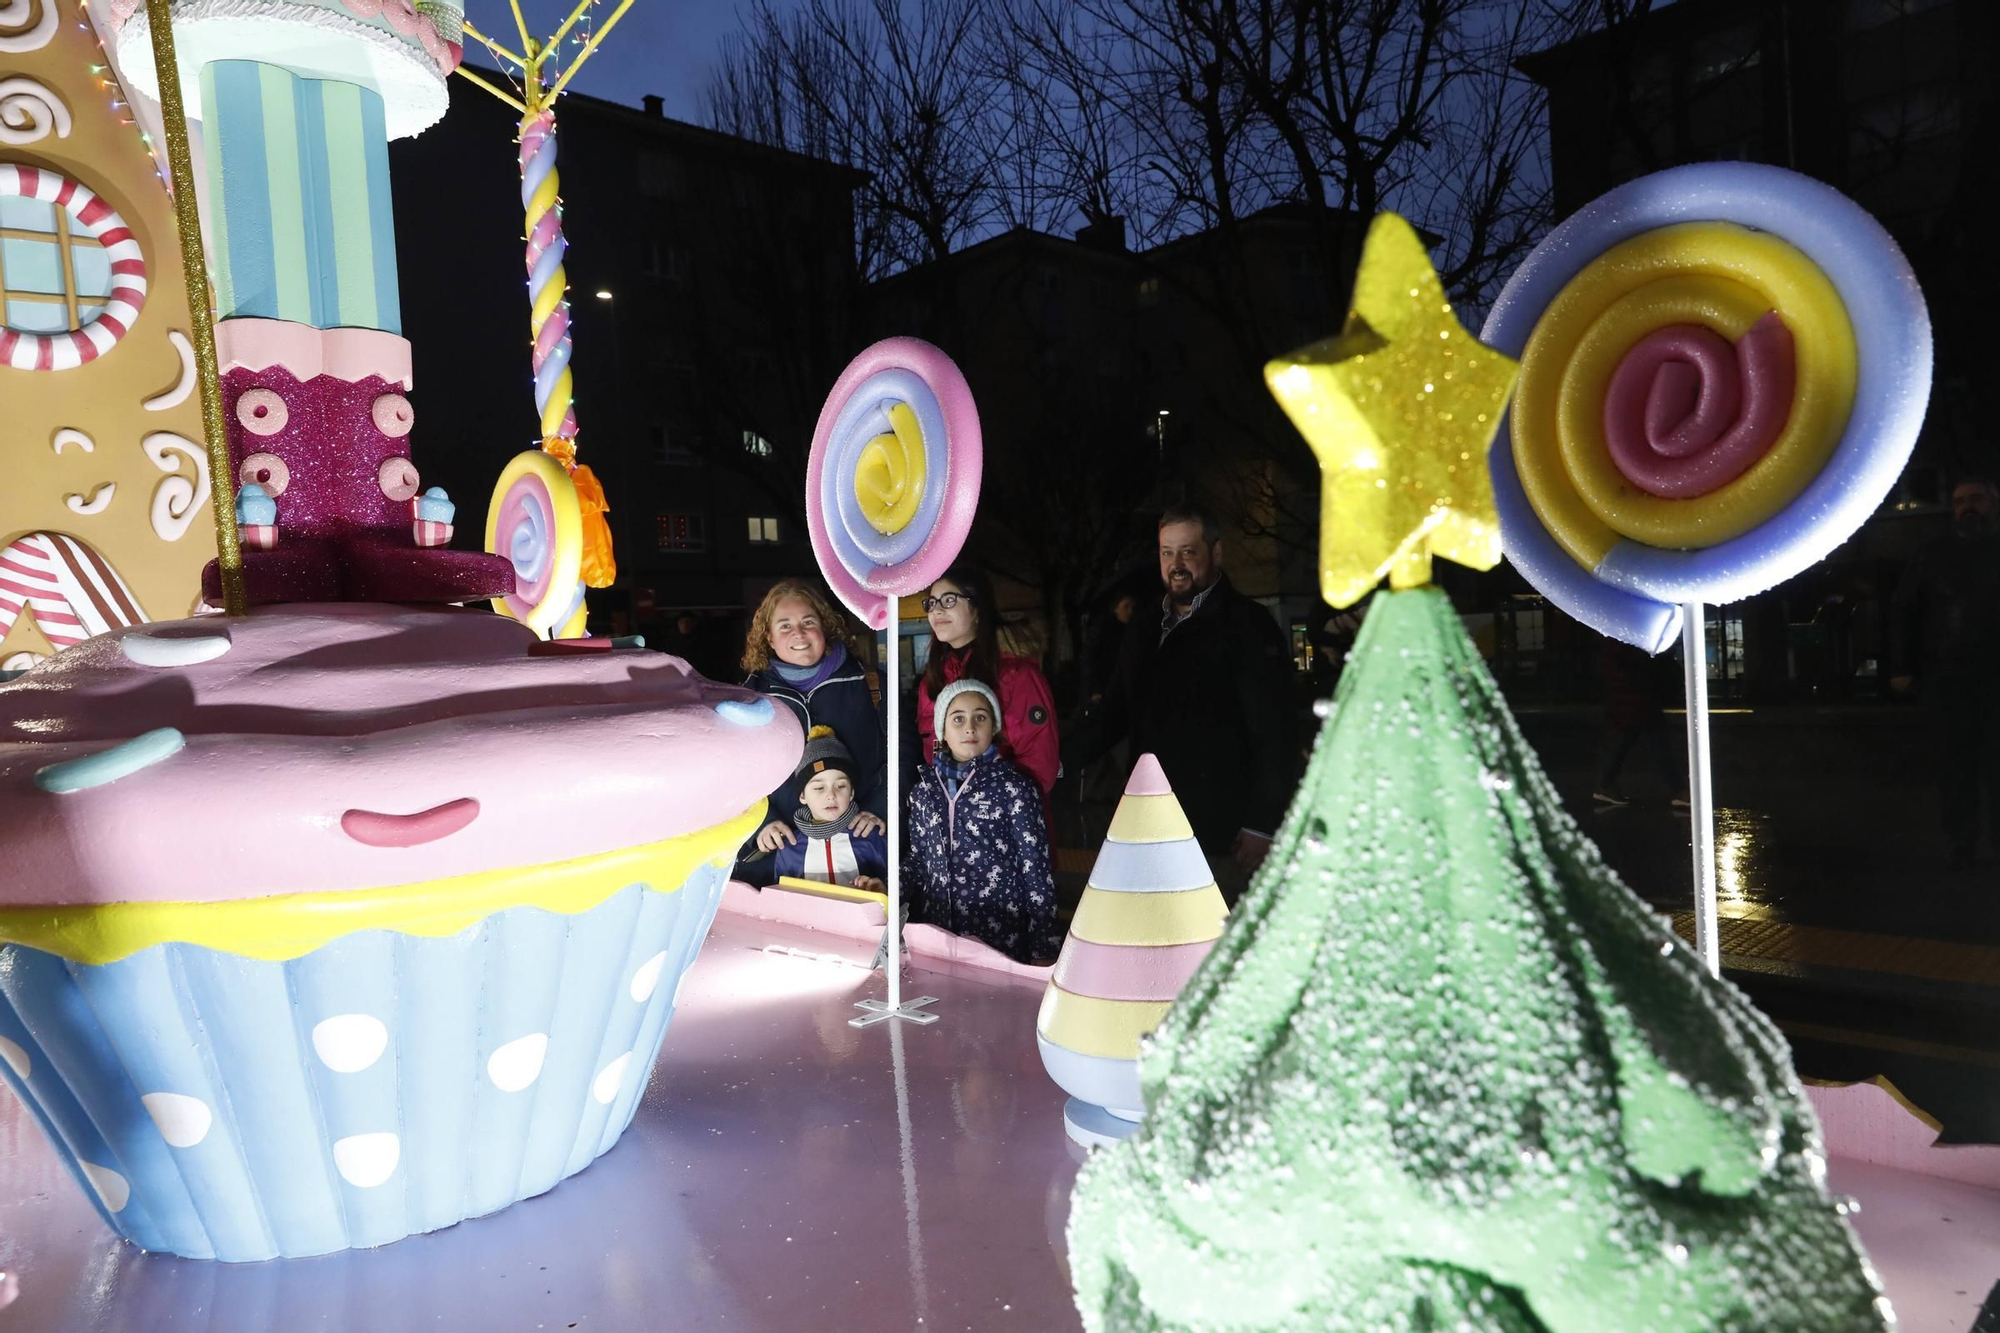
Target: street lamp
[1160,430]
[603,295]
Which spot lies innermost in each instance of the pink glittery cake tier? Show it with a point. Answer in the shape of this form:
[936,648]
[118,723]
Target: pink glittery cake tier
[337,746]
[320,419]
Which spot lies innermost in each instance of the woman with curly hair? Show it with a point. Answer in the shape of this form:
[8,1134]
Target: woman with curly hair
[800,652]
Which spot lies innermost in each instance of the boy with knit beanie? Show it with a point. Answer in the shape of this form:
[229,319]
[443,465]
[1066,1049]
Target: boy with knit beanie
[828,849]
[979,846]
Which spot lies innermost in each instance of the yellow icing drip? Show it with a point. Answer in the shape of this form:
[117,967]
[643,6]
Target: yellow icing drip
[288,925]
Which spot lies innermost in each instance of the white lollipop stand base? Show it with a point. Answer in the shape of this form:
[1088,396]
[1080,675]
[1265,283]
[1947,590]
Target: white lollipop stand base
[881,1011]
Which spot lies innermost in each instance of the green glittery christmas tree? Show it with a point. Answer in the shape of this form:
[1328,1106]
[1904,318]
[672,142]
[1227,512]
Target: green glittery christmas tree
[1443,1071]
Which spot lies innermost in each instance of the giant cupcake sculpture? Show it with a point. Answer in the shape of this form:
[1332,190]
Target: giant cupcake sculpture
[1443,1070]
[342,920]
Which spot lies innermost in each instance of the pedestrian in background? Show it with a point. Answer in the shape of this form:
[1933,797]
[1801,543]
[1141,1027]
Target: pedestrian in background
[1205,685]
[1634,718]
[1945,649]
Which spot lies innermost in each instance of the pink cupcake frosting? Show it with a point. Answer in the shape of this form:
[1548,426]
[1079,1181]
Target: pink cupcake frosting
[341,746]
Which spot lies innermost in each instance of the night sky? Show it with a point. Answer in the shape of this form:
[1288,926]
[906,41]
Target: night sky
[660,46]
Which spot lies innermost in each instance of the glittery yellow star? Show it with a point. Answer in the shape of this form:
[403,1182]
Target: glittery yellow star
[1399,410]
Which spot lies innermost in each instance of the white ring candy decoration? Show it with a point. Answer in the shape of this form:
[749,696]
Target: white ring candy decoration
[393,415]
[398,479]
[262,411]
[268,471]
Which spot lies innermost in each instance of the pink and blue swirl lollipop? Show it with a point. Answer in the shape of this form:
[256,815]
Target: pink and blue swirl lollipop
[893,479]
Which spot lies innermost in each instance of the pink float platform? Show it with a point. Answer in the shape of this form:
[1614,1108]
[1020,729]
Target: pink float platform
[785,1171]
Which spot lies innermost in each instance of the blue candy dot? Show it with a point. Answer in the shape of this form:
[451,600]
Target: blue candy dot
[123,760]
[745,713]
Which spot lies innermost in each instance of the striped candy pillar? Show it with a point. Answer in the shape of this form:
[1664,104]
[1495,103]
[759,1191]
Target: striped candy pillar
[1149,915]
[298,173]
[548,285]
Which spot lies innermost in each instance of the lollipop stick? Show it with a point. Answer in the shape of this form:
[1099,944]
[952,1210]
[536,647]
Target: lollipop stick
[1701,799]
[892,698]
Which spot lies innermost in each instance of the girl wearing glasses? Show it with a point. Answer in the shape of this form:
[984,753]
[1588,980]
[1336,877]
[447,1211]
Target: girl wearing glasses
[965,625]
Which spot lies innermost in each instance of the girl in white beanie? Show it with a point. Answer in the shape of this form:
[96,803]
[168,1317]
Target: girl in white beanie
[979,847]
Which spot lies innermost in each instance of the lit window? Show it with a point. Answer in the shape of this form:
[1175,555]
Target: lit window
[63,256]
[680,532]
[756,445]
[1149,291]
[763,531]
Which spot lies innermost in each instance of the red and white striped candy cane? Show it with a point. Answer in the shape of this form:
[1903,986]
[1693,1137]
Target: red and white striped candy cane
[74,591]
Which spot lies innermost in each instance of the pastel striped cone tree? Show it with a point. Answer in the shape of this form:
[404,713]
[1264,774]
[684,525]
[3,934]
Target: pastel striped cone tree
[1149,914]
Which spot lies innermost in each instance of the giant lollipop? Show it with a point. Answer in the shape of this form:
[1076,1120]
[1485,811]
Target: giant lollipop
[891,487]
[893,479]
[1723,370]
[536,522]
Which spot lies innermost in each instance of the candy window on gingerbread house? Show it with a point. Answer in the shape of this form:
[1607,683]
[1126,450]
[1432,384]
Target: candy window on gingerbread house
[54,275]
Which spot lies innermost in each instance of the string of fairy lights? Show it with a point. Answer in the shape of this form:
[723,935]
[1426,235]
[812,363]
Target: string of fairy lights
[105,76]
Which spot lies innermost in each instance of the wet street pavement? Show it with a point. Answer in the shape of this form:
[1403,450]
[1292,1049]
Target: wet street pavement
[1838,912]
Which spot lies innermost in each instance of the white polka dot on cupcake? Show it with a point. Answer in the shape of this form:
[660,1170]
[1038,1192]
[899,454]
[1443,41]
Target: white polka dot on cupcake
[610,1079]
[366,1160]
[111,1187]
[515,1065]
[183,1121]
[16,1058]
[647,979]
[349,1043]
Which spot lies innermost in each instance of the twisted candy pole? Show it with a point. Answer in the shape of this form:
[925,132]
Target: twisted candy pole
[548,285]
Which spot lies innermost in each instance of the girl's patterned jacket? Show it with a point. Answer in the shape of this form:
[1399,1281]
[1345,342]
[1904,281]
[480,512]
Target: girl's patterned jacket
[980,858]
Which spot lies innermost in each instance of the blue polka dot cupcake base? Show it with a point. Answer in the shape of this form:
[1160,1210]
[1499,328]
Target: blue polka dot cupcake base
[382,1085]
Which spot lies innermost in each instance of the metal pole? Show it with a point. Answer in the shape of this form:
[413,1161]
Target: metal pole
[894,700]
[1701,799]
[875,1011]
